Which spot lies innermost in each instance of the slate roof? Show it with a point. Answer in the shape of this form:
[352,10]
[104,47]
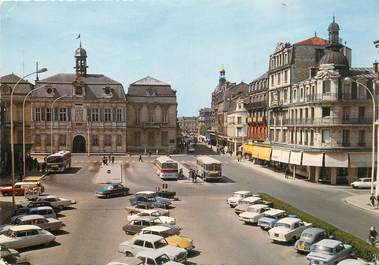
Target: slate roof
[22,88]
[362,72]
[149,86]
[62,85]
[314,41]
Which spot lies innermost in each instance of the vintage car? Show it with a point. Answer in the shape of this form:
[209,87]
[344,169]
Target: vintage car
[328,252]
[138,223]
[308,237]
[160,193]
[355,262]
[237,197]
[362,183]
[113,189]
[171,236]
[20,188]
[152,242]
[253,213]
[270,218]
[46,211]
[126,261]
[142,207]
[246,202]
[151,257]
[55,201]
[22,236]
[153,213]
[49,224]
[150,202]
[287,229]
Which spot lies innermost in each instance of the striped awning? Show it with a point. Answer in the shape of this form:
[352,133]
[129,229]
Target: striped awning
[360,159]
[336,160]
[280,155]
[295,157]
[313,159]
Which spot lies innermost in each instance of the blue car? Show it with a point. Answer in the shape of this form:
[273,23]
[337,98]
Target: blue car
[270,218]
[115,189]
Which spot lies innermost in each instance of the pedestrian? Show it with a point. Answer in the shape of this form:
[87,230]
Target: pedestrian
[140,158]
[149,153]
[377,199]
[106,160]
[372,200]
[112,159]
[156,152]
[109,158]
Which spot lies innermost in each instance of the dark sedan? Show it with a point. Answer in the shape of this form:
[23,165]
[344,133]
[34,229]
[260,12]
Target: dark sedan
[112,190]
[139,223]
[150,202]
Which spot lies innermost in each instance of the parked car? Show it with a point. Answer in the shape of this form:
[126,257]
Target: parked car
[138,223]
[355,262]
[237,197]
[114,189]
[33,204]
[253,213]
[362,183]
[49,224]
[151,257]
[153,213]
[142,207]
[20,188]
[270,218]
[152,242]
[171,236]
[126,261]
[46,211]
[150,202]
[246,202]
[308,237]
[287,229]
[328,252]
[22,236]
[55,201]
[161,194]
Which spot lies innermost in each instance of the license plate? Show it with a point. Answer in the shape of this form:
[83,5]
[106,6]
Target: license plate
[301,246]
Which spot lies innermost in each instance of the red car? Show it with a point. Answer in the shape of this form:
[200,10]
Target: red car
[21,187]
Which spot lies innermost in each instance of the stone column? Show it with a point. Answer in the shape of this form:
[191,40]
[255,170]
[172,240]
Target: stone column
[352,174]
[333,176]
[317,174]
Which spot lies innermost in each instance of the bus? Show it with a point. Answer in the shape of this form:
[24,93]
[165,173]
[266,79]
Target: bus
[208,168]
[166,168]
[58,162]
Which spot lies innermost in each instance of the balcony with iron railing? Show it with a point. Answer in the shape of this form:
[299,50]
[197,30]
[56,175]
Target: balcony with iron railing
[324,121]
[330,97]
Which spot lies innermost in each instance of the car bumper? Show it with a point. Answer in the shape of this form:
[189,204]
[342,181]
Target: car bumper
[101,195]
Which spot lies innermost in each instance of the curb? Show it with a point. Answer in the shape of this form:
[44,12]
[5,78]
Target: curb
[347,201]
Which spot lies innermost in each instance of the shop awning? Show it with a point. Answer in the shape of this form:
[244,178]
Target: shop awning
[360,159]
[280,155]
[248,148]
[295,157]
[313,159]
[262,152]
[336,160]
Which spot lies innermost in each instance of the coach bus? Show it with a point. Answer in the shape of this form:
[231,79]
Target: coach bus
[208,168]
[58,162]
[166,167]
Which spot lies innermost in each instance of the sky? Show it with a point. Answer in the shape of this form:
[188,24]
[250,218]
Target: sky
[181,42]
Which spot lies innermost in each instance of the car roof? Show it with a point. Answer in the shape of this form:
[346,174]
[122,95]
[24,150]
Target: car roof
[274,211]
[330,243]
[28,183]
[156,228]
[48,196]
[17,228]
[126,261]
[289,220]
[353,262]
[252,199]
[242,192]
[31,217]
[149,237]
[153,254]
[145,218]
[42,208]
[145,192]
[314,230]
[258,206]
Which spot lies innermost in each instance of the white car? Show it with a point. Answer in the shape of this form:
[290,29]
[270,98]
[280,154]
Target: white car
[253,213]
[153,213]
[355,262]
[150,257]
[237,197]
[152,242]
[22,236]
[246,202]
[45,211]
[126,261]
[362,183]
[56,202]
[288,229]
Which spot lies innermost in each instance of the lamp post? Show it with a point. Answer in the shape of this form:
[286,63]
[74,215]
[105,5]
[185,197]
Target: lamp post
[23,128]
[52,121]
[12,136]
[348,79]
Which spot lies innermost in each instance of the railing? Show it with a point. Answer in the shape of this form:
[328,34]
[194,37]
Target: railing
[333,97]
[325,121]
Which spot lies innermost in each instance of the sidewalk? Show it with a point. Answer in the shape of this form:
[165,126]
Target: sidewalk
[109,173]
[362,202]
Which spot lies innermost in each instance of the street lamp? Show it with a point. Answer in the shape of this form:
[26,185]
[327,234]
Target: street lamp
[52,121]
[23,127]
[12,140]
[348,79]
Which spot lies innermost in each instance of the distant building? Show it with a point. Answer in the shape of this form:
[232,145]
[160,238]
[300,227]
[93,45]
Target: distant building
[89,114]
[188,124]
[152,116]
[205,118]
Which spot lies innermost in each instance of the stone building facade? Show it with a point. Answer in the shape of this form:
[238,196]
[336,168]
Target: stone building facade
[236,128]
[188,124]
[152,116]
[7,83]
[88,116]
[205,118]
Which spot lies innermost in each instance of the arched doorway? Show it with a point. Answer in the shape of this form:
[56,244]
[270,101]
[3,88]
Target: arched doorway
[79,144]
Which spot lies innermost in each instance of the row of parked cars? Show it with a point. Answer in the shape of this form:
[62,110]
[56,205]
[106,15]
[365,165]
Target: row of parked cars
[157,239]
[282,227]
[33,223]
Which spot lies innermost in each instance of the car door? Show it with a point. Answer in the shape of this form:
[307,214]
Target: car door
[21,240]
[137,246]
[135,226]
[34,237]
[366,183]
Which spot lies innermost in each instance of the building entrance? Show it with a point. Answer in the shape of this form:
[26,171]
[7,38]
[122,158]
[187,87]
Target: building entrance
[79,144]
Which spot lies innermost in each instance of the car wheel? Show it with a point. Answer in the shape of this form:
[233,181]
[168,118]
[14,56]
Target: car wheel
[128,254]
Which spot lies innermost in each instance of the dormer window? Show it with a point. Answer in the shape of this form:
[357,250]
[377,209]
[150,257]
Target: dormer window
[78,90]
[49,90]
[108,92]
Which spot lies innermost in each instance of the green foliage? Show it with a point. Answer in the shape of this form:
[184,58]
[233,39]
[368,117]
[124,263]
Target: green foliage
[360,247]
[202,130]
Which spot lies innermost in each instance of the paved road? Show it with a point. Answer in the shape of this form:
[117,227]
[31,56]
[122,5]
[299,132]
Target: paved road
[94,227]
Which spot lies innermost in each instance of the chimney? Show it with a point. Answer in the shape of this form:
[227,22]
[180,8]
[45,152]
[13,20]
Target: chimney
[375,67]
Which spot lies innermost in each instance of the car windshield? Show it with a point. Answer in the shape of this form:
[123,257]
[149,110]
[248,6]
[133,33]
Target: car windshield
[54,159]
[110,187]
[322,249]
[213,167]
[162,259]
[237,195]
[160,244]
[307,236]
[282,225]
[8,233]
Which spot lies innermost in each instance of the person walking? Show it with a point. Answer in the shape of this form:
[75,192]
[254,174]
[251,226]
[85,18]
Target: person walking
[140,158]
[372,200]
[112,159]
[149,153]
